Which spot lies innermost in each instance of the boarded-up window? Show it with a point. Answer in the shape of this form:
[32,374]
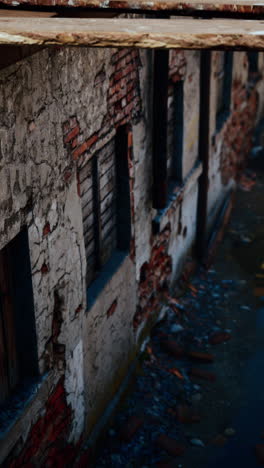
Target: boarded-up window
[104,183]
[18,350]
[224,87]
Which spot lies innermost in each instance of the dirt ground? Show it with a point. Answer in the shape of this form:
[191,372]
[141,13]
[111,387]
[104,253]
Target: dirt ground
[172,418]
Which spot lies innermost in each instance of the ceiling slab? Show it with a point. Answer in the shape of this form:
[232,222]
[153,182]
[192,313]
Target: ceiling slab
[183,33]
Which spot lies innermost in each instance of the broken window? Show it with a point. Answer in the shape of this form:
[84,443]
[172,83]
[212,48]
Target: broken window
[18,348]
[105,194]
[224,87]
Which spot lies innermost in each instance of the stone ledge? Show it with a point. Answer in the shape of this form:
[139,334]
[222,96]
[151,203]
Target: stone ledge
[145,33]
[161,218]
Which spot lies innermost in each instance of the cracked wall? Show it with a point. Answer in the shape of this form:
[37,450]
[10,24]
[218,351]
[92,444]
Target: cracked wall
[231,144]
[39,188]
[58,108]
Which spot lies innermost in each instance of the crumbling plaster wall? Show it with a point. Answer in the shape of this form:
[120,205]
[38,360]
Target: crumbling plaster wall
[39,98]
[229,147]
[191,111]
[54,108]
[164,252]
[182,211]
[260,87]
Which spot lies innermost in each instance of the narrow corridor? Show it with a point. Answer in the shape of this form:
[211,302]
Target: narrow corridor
[195,403]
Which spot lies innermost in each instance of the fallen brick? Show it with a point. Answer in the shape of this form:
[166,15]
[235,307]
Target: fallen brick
[202,374]
[186,415]
[219,337]
[165,464]
[219,441]
[176,372]
[171,446]
[259,448]
[259,291]
[173,348]
[134,423]
[200,356]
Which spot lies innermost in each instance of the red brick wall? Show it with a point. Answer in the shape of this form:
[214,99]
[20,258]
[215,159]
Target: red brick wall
[238,132]
[154,278]
[46,444]
[123,106]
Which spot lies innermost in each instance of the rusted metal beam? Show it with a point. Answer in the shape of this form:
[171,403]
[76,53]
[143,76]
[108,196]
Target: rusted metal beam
[143,33]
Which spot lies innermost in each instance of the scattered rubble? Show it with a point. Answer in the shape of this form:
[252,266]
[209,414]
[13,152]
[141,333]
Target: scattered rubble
[181,378]
[151,424]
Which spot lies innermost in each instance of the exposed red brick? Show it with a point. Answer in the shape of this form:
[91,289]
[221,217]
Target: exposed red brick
[118,75]
[202,374]
[44,269]
[47,439]
[171,446]
[46,229]
[80,150]
[85,146]
[67,175]
[78,310]
[237,132]
[173,348]
[73,133]
[219,337]
[111,309]
[200,357]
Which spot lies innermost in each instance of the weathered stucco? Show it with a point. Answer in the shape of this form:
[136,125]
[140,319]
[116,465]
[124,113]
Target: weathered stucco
[58,108]
[230,145]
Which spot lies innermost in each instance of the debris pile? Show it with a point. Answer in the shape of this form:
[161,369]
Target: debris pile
[177,362]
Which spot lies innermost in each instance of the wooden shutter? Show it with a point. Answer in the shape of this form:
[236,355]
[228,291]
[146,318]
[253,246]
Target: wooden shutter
[107,177]
[86,191]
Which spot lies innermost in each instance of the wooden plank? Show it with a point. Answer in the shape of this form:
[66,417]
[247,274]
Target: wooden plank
[88,220]
[238,6]
[184,33]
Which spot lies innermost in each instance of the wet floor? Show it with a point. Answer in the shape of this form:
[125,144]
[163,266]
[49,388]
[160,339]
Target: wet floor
[228,299]
[248,420]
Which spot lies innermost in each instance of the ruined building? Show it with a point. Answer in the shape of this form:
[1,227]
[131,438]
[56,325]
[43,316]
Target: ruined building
[116,163]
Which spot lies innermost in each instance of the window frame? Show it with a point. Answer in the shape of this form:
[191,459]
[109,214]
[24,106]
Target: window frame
[103,271]
[226,73]
[19,357]
[175,175]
